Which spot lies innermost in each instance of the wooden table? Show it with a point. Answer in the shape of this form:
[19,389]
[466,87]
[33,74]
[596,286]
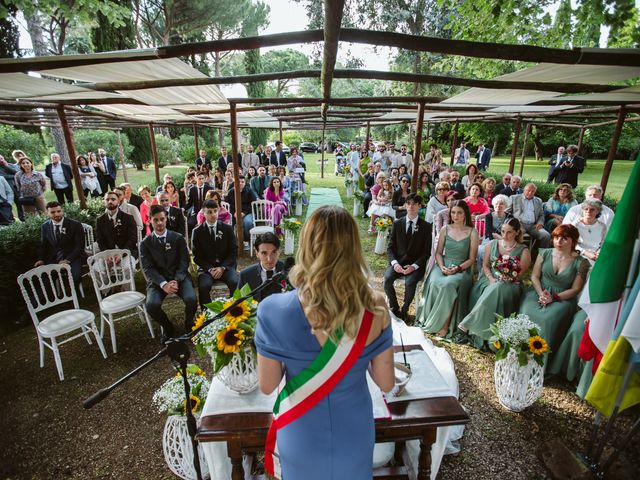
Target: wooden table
[410,420]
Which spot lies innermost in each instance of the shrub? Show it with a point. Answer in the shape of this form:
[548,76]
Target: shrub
[186,148]
[15,139]
[167,151]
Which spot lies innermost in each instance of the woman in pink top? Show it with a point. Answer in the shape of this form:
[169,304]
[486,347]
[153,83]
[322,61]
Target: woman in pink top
[275,193]
[478,206]
[145,193]
[224,215]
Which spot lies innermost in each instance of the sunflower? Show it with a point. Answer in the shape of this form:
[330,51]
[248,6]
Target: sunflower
[538,345]
[199,321]
[497,345]
[230,339]
[239,313]
[195,403]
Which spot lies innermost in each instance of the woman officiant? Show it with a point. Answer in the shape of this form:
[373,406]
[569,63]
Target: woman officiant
[306,335]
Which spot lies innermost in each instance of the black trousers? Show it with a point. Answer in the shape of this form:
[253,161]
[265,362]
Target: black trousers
[410,282]
[155,297]
[205,282]
[61,193]
[110,182]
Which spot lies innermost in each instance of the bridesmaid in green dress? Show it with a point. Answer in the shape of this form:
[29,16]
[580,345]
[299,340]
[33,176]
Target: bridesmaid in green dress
[444,300]
[491,294]
[558,277]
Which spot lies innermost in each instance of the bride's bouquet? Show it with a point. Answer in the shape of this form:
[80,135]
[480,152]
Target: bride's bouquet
[506,268]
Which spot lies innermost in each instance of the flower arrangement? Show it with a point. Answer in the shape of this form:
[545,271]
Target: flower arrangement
[506,268]
[230,334]
[169,398]
[347,169]
[298,195]
[519,333]
[359,195]
[291,224]
[383,223]
[349,181]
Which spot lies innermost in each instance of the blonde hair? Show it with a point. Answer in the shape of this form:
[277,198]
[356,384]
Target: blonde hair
[331,274]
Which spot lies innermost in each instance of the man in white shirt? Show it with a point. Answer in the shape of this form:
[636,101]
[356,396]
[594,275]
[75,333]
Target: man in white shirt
[461,155]
[249,159]
[60,176]
[527,208]
[593,192]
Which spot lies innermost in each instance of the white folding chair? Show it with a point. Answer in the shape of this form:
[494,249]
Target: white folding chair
[50,286]
[228,208]
[262,211]
[90,245]
[112,269]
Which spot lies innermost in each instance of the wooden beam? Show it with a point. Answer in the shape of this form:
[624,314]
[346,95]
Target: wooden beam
[71,148]
[322,154]
[368,136]
[524,147]
[454,143]
[580,140]
[280,130]
[237,198]
[195,138]
[514,148]
[417,147]
[426,139]
[121,153]
[612,150]
[332,22]
[154,153]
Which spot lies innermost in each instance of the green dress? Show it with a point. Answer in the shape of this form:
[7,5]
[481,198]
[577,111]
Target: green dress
[446,295]
[555,318]
[488,299]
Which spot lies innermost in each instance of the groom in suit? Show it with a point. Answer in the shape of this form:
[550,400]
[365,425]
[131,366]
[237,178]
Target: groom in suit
[165,263]
[267,248]
[408,250]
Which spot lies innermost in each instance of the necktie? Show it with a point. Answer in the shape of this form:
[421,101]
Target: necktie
[269,274]
[199,194]
[212,230]
[410,230]
[162,240]
[58,234]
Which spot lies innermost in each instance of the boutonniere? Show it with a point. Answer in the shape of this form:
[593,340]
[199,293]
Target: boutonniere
[172,218]
[63,231]
[283,283]
[167,246]
[219,235]
[118,223]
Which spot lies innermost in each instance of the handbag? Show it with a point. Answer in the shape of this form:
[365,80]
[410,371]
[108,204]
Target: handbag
[28,200]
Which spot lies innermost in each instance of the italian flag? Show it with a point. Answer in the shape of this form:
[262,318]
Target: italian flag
[601,297]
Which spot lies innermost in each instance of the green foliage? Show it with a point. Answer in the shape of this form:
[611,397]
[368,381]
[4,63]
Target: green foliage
[186,148]
[141,146]
[9,32]
[167,150]
[282,61]
[91,140]
[108,36]
[12,138]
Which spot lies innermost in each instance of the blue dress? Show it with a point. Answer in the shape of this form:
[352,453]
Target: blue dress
[335,439]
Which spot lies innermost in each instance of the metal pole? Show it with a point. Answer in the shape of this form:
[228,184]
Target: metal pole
[121,151]
[71,148]
[154,153]
[322,154]
[612,150]
[524,147]
[237,198]
[514,148]
[417,148]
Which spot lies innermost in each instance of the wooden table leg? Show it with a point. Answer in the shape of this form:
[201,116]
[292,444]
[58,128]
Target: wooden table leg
[235,456]
[424,457]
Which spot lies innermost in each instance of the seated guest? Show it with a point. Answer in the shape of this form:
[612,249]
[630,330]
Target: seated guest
[494,292]
[558,277]
[558,205]
[214,251]
[195,199]
[489,189]
[172,191]
[592,192]
[456,184]
[438,201]
[478,206]
[130,197]
[260,182]
[267,246]
[246,198]
[442,217]
[445,294]
[116,229]
[174,217]
[592,230]
[470,176]
[493,223]
[147,201]
[223,214]
[408,251]
[128,208]
[165,262]
[218,180]
[61,241]
[165,178]
[275,193]
[400,196]
[202,160]
[513,188]
[506,181]
[527,208]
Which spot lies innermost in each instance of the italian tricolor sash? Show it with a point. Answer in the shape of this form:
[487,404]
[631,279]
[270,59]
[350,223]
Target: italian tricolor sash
[303,392]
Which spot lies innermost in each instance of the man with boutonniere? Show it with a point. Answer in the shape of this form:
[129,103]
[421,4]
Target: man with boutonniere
[215,248]
[267,248]
[116,229]
[61,241]
[165,263]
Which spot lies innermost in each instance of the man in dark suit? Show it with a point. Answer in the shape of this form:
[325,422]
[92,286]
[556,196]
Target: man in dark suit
[224,159]
[60,176]
[506,181]
[165,262]
[456,184]
[215,249]
[61,241]
[195,199]
[130,197]
[483,157]
[175,217]
[408,251]
[267,248]
[110,170]
[247,196]
[116,229]
[260,182]
[555,161]
[278,157]
[571,166]
[513,188]
[203,160]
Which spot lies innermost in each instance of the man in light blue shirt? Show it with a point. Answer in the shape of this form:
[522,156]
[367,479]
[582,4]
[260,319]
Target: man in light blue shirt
[6,199]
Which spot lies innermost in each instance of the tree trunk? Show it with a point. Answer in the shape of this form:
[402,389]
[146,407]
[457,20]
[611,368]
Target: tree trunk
[494,150]
[537,145]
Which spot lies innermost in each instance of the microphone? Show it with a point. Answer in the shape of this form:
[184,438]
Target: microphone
[289,262]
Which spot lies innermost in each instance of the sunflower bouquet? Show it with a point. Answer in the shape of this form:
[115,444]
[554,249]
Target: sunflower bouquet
[519,333]
[169,398]
[383,223]
[229,335]
[291,224]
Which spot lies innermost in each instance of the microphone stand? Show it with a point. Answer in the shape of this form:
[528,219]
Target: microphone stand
[177,349]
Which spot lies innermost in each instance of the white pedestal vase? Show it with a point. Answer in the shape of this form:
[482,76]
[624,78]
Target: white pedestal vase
[178,452]
[517,387]
[356,207]
[381,243]
[241,374]
[298,207]
[289,242]
[349,191]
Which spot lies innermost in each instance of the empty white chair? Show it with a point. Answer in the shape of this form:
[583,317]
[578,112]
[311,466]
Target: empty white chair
[113,269]
[90,245]
[262,211]
[49,286]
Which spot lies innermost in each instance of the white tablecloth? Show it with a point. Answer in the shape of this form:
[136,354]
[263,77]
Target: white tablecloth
[426,382]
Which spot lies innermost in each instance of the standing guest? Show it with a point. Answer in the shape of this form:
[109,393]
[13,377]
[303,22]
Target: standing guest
[506,181]
[30,185]
[592,192]
[570,167]
[203,160]
[404,157]
[400,197]
[165,262]
[489,189]
[260,151]
[88,177]
[592,230]
[60,176]
[130,197]
[98,166]
[483,157]
[267,247]
[461,155]
[408,252]
[147,201]
[225,159]
[445,293]
[224,215]
[8,172]
[266,156]
[494,293]
[470,176]
[126,207]
[214,251]
[295,163]
[247,197]
[249,159]
[196,199]
[6,199]
[174,218]
[61,241]
[431,154]
[558,205]
[456,184]
[514,186]
[437,202]
[295,327]
[558,277]
[275,193]
[527,208]
[110,170]
[554,163]
[278,157]
[478,206]
[116,229]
